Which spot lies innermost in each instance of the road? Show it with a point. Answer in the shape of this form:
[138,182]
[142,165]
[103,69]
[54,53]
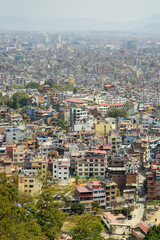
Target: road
[137,213]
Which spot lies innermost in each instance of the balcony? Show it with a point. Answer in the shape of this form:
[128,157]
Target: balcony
[99,199]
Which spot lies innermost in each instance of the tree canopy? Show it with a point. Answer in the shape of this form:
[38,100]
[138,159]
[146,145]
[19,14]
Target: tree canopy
[32,85]
[77,208]
[115,113]
[88,227]
[153,233]
[21,217]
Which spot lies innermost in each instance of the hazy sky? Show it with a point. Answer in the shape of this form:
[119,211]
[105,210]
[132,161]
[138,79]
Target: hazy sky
[107,10]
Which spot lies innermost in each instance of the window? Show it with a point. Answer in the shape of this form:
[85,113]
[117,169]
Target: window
[55,166]
[25,190]
[30,180]
[65,178]
[30,191]
[26,180]
[25,185]
[31,186]
[43,166]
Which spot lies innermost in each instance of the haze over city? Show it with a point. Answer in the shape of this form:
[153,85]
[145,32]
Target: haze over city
[103,10]
[80,119]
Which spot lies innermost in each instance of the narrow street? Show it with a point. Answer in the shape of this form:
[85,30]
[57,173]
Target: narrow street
[137,213]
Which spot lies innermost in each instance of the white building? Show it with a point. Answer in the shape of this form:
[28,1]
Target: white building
[14,134]
[81,126]
[61,170]
[76,115]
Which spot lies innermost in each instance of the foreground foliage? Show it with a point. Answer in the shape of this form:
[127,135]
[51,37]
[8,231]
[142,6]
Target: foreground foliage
[88,227]
[22,218]
[153,233]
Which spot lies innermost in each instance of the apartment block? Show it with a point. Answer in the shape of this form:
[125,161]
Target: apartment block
[85,196]
[28,182]
[92,164]
[111,193]
[99,192]
[77,114]
[153,183]
[14,134]
[61,169]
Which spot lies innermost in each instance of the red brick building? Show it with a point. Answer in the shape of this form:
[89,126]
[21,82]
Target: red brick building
[153,183]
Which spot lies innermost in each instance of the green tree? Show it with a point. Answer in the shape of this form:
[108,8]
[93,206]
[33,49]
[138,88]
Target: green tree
[20,100]
[77,208]
[32,85]
[77,178]
[49,216]
[115,113]
[127,104]
[16,221]
[75,90]
[23,218]
[153,233]
[88,227]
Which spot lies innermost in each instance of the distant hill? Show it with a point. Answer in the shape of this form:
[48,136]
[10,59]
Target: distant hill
[76,24]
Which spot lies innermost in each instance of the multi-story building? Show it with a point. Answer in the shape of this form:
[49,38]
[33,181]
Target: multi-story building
[102,128]
[6,165]
[19,154]
[40,164]
[85,196]
[99,192]
[28,182]
[153,183]
[111,193]
[77,114]
[14,134]
[92,164]
[61,169]
[115,140]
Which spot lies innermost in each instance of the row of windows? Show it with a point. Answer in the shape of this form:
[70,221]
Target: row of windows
[86,165]
[29,181]
[86,170]
[30,186]
[96,174]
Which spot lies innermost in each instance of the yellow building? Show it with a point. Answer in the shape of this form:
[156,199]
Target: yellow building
[123,125]
[41,165]
[102,128]
[28,182]
[71,80]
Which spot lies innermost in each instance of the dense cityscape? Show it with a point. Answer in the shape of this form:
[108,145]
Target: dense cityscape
[79,135]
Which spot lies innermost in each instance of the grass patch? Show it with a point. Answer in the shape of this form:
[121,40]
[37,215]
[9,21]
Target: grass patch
[153,203]
[69,223]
